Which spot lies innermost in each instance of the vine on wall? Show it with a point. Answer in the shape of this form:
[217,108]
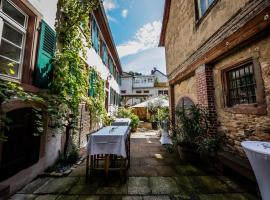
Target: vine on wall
[71,75]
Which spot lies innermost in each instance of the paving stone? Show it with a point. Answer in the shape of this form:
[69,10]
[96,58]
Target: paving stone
[138,185]
[109,197]
[34,185]
[83,189]
[163,185]
[234,185]
[165,171]
[78,171]
[88,197]
[57,185]
[23,197]
[140,171]
[112,190]
[46,197]
[209,185]
[181,197]
[160,197]
[189,170]
[227,197]
[68,197]
[185,184]
[132,198]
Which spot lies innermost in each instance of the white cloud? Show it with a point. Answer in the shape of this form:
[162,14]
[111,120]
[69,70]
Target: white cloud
[145,61]
[110,18]
[145,38]
[124,13]
[109,5]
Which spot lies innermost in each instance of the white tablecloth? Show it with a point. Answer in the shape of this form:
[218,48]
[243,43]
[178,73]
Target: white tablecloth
[121,122]
[109,140]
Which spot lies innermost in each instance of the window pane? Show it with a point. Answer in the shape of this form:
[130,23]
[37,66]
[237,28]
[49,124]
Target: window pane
[12,35]
[210,2]
[11,11]
[10,51]
[241,86]
[6,66]
[203,6]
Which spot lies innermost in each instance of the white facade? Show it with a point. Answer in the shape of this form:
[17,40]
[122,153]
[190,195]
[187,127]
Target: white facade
[138,88]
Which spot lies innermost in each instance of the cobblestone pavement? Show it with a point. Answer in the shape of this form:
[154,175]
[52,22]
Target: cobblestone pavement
[155,174]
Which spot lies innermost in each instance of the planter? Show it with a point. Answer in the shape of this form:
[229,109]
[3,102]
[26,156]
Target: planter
[186,153]
[154,125]
[134,129]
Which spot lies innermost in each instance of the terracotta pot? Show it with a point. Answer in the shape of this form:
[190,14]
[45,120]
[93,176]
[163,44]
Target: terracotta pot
[133,129]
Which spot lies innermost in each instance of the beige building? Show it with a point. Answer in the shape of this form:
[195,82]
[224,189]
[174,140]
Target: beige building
[217,54]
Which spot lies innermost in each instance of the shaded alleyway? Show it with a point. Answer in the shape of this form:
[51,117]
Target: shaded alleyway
[155,174]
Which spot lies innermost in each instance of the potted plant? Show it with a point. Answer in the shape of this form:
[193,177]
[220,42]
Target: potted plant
[191,133]
[134,122]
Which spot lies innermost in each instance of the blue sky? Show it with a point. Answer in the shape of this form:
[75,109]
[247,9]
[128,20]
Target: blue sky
[136,25]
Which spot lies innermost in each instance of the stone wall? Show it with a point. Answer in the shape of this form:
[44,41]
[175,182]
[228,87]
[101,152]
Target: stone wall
[182,23]
[239,127]
[86,125]
[186,88]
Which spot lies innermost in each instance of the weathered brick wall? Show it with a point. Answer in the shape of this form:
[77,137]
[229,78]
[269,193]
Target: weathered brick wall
[183,38]
[239,127]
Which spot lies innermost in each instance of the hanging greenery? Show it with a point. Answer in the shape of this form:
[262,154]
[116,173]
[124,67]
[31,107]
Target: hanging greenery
[71,75]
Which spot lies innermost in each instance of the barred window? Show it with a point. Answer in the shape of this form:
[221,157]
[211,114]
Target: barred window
[241,85]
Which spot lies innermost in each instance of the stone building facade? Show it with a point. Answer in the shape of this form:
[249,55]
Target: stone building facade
[217,54]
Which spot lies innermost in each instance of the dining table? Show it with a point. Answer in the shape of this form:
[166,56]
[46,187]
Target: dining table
[108,147]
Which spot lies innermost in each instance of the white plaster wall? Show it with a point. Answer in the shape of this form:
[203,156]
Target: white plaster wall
[94,60]
[141,83]
[127,84]
[47,8]
[53,146]
[161,78]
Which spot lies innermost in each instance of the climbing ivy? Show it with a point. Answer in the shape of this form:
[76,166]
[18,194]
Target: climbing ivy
[71,75]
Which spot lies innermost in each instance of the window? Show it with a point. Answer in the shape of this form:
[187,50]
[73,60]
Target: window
[202,6]
[243,88]
[123,91]
[13,26]
[138,91]
[136,80]
[160,92]
[111,65]
[146,91]
[150,80]
[241,85]
[166,92]
[104,54]
[95,35]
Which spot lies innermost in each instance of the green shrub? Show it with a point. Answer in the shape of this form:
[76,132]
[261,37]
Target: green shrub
[134,121]
[128,113]
[107,120]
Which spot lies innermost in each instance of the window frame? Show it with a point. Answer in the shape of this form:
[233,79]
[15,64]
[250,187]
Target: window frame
[17,27]
[198,18]
[258,108]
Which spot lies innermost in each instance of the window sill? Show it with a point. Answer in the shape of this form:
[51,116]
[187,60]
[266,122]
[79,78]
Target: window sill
[251,109]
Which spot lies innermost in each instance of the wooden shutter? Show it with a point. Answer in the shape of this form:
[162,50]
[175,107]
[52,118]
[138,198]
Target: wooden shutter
[92,80]
[46,50]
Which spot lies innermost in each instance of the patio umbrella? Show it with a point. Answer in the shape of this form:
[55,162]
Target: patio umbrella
[161,101]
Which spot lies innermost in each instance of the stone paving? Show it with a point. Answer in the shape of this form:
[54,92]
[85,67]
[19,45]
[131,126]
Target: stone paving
[155,174]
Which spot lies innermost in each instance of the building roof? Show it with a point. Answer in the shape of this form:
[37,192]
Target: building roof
[102,21]
[164,23]
[156,70]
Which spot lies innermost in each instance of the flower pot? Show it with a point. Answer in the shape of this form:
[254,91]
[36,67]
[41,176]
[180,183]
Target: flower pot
[134,129]
[186,153]
[154,125]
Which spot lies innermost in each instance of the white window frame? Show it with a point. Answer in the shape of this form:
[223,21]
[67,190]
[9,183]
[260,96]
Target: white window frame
[200,9]
[18,27]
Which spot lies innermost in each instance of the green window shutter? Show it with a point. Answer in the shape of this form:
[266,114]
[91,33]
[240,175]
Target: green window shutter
[46,50]
[92,80]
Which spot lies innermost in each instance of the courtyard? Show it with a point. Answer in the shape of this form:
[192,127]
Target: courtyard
[155,174]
